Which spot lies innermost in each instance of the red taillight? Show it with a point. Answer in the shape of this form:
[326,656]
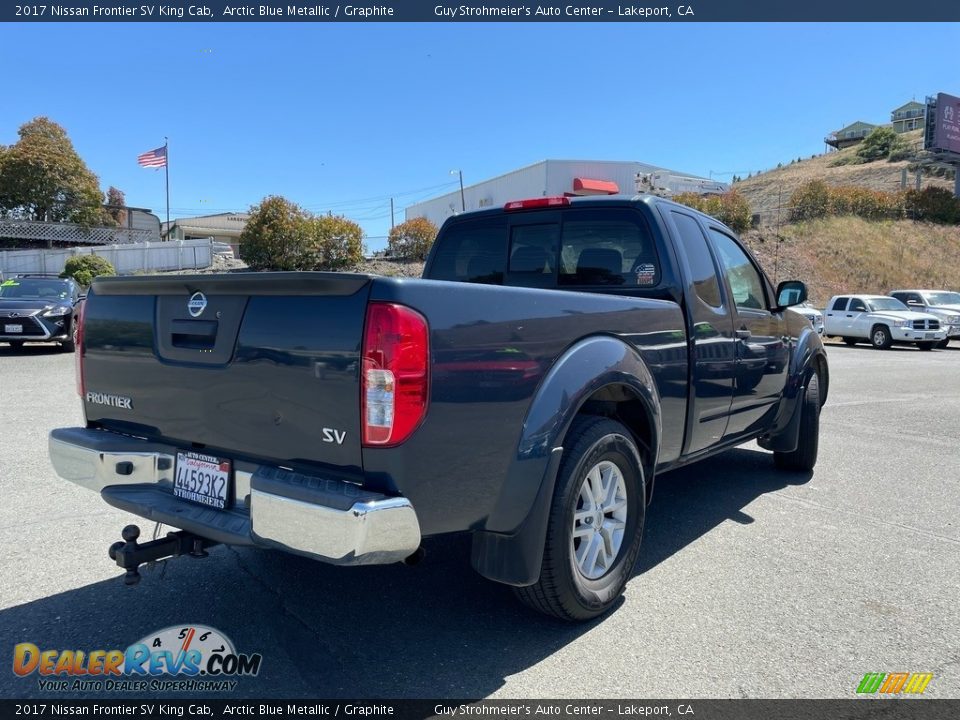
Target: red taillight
[536,203]
[395,374]
[78,349]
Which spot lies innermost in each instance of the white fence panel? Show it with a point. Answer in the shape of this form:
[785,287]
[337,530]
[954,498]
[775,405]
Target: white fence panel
[126,259]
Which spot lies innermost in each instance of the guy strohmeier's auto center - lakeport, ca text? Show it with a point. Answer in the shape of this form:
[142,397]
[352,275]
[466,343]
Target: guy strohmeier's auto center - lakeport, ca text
[452,12]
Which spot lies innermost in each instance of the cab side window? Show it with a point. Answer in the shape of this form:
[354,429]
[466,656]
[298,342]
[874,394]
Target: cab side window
[856,305]
[744,279]
[698,259]
[840,304]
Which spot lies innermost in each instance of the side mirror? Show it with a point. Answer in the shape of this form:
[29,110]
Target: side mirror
[791,292]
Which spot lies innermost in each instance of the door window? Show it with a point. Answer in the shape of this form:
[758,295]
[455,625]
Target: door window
[856,305]
[745,283]
[699,259]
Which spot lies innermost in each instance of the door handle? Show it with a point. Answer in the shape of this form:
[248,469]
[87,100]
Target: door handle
[849,315]
[742,334]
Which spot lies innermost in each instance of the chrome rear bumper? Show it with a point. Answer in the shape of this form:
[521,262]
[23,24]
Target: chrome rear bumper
[323,518]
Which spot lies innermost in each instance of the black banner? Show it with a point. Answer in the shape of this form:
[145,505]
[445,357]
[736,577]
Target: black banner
[503,11]
[865,709]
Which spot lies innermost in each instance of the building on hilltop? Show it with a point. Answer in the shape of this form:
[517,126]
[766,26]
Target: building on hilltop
[908,117]
[850,135]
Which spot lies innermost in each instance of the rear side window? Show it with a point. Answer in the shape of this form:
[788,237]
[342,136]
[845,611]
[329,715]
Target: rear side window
[471,252]
[698,258]
[608,249]
[840,303]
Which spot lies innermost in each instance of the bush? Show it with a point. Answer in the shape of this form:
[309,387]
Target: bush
[933,204]
[730,208]
[84,268]
[336,243]
[877,144]
[811,200]
[412,239]
[280,235]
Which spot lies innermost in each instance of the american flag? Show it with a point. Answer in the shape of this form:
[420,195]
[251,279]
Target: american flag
[153,158]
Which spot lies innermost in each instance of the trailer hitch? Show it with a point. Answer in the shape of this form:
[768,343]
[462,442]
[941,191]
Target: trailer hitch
[130,554]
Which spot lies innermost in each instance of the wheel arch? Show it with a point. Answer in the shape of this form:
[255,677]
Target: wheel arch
[599,375]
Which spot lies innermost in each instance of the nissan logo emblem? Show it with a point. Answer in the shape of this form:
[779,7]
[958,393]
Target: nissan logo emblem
[13,314]
[197,304]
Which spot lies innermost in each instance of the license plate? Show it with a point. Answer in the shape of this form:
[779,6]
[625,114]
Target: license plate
[930,336]
[13,328]
[202,479]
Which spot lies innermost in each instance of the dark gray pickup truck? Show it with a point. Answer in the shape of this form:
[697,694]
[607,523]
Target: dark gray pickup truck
[558,356]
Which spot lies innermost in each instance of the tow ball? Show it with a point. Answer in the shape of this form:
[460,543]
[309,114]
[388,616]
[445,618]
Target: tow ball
[130,554]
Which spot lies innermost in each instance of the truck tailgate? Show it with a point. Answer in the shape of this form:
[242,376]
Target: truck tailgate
[262,366]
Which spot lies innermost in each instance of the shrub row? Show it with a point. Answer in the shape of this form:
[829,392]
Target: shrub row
[730,208]
[816,199]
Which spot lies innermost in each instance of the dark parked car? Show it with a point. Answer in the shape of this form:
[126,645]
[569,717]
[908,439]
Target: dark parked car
[38,308]
[558,356]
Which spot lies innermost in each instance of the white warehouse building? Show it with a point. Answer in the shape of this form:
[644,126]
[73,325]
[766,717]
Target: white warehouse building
[563,177]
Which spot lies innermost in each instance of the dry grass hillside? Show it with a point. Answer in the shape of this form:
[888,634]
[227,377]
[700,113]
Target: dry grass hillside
[848,254]
[765,191]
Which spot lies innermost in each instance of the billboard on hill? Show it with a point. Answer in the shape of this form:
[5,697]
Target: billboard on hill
[943,124]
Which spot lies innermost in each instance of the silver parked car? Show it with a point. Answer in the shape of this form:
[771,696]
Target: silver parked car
[945,304]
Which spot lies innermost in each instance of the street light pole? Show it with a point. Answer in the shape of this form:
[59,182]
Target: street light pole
[463,202]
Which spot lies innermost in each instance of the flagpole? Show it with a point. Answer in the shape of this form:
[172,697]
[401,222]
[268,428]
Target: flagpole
[166,171]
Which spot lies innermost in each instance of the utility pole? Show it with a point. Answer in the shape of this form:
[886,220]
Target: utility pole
[776,261]
[463,202]
[391,213]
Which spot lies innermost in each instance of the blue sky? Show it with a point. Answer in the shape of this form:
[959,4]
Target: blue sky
[343,116]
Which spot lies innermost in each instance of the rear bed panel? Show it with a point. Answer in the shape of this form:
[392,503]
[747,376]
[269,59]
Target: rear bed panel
[271,377]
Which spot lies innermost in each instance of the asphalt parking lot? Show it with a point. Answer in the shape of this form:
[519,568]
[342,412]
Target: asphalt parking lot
[751,583]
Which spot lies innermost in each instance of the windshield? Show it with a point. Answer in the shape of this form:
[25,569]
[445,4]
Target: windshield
[885,304]
[942,298]
[33,289]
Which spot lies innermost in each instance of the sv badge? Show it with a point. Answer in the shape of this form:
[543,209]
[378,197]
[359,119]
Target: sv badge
[334,436]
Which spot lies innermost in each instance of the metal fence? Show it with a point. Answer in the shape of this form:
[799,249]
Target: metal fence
[126,259]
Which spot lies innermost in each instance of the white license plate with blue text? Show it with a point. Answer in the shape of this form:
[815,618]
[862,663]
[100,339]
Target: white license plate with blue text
[202,479]
[12,329]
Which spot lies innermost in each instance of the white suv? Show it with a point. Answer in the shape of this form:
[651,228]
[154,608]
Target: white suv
[882,321]
[942,303]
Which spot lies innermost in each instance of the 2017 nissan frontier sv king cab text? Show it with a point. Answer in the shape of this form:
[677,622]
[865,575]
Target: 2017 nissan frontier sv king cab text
[558,355]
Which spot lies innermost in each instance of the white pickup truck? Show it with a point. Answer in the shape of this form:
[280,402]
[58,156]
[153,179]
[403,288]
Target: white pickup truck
[942,303]
[882,321]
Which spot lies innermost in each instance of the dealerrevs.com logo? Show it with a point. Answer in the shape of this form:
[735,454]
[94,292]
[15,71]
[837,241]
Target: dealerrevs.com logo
[188,658]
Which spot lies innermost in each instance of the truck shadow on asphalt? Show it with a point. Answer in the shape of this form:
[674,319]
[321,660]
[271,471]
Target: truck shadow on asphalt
[435,630]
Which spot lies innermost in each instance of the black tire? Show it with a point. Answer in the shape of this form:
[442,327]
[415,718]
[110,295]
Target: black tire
[71,344]
[849,341]
[562,590]
[943,344]
[804,458]
[880,337]
[927,345]
[16,344]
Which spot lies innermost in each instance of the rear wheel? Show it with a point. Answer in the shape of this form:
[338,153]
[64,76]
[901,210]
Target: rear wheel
[595,526]
[804,458]
[943,344]
[16,344]
[880,337]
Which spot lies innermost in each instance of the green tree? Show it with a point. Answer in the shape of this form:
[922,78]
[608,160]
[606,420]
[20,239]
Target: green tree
[276,237]
[933,204]
[412,239]
[281,235]
[84,268]
[43,178]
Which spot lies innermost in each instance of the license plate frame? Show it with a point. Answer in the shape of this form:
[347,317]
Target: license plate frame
[13,329]
[203,479]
